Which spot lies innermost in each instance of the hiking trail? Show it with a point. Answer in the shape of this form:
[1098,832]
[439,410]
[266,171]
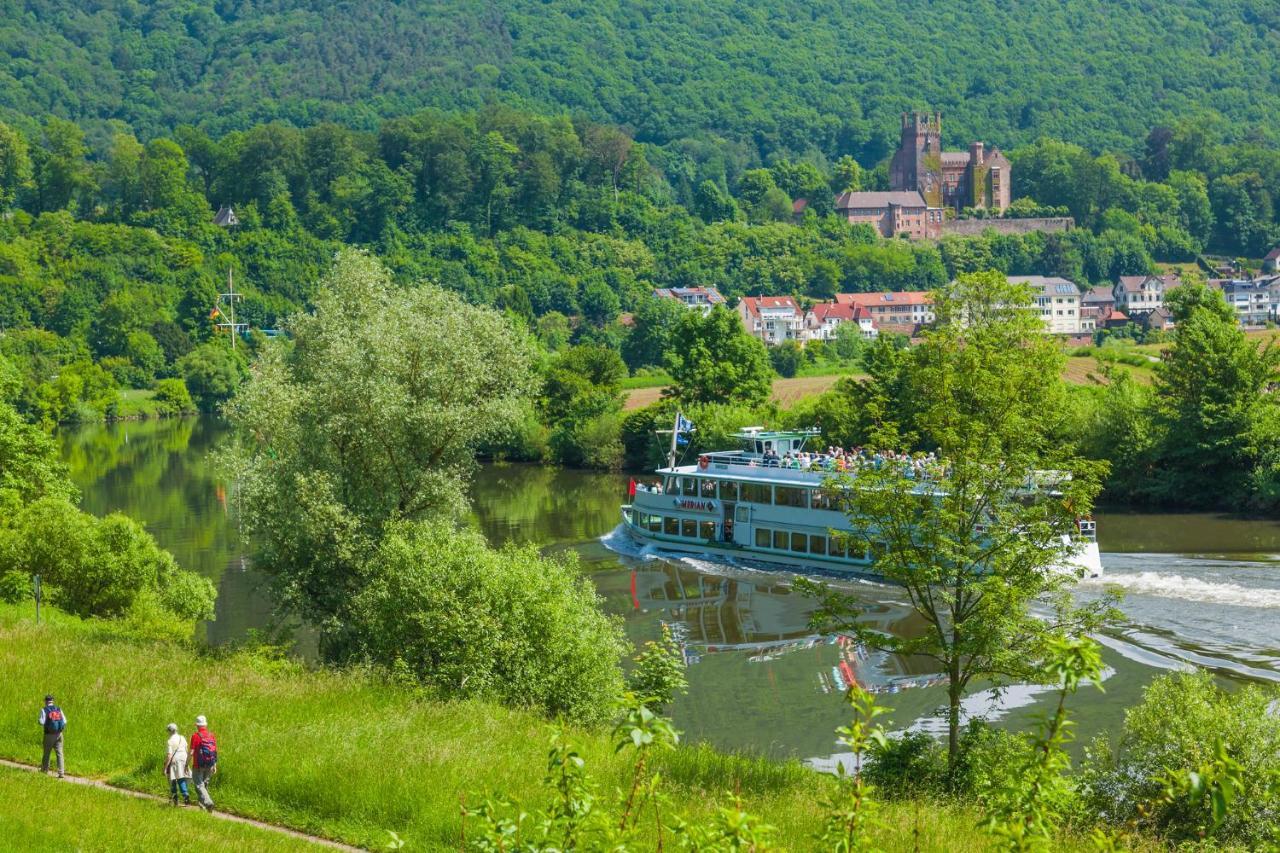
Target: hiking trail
[221,815]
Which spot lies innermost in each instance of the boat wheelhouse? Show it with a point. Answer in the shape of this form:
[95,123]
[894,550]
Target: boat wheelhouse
[749,503]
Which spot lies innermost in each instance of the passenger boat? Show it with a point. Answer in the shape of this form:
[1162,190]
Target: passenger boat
[742,504]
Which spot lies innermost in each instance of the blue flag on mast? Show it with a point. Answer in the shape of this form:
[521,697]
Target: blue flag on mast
[683,424]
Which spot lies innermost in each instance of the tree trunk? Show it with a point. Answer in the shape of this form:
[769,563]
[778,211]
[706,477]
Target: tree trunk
[954,693]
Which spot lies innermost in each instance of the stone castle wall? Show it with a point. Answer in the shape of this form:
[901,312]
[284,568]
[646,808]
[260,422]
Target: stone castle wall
[975,227]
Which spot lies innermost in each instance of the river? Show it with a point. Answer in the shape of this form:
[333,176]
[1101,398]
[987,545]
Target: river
[1200,589]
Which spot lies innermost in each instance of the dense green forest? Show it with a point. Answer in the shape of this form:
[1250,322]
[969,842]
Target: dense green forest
[111,265]
[784,79]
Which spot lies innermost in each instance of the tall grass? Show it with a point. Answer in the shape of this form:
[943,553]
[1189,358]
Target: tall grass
[348,757]
[39,813]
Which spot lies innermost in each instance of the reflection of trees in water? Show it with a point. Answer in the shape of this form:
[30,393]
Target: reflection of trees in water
[534,503]
[158,472]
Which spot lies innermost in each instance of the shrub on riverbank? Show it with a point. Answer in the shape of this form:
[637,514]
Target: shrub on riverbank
[1174,728]
[470,620]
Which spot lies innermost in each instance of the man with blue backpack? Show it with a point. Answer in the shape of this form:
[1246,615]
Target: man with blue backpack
[204,756]
[54,723]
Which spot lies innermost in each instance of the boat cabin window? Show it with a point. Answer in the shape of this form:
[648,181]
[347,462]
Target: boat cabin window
[689,528]
[653,523]
[671,526]
[708,489]
[669,486]
[788,496]
[757,493]
[728,490]
[838,548]
[818,544]
[706,530]
[763,538]
[820,499]
[780,539]
[800,542]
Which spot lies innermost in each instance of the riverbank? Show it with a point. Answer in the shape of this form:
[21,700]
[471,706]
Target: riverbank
[346,757]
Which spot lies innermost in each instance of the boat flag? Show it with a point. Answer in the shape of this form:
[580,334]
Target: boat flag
[631,488]
[683,424]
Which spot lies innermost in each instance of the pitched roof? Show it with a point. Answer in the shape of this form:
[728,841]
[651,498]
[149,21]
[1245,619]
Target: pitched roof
[798,206]
[1273,255]
[902,198]
[755,303]
[1046,284]
[901,297]
[840,311]
[1117,314]
[955,158]
[225,217]
[713,295]
[1134,283]
[1099,294]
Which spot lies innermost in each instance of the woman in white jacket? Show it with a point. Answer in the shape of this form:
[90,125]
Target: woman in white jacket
[175,765]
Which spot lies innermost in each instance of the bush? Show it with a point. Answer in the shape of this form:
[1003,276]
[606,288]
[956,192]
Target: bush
[911,764]
[171,397]
[469,620]
[787,358]
[1174,728]
[98,566]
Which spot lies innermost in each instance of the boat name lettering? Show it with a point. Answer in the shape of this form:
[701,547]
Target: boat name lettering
[703,506]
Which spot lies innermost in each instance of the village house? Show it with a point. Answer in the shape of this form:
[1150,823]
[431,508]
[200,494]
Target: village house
[1096,307]
[823,319]
[1057,300]
[903,311]
[891,213]
[772,319]
[1160,319]
[702,298]
[1271,263]
[1256,301]
[1137,294]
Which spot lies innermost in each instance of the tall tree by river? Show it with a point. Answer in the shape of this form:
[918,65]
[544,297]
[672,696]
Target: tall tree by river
[972,546]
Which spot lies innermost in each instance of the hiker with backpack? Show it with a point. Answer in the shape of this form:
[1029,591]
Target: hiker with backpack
[54,722]
[175,765]
[204,755]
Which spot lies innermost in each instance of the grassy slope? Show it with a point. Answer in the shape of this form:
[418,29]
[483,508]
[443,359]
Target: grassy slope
[42,813]
[341,756]
[785,391]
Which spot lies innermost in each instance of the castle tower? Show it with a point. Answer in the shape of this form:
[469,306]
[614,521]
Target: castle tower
[917,164]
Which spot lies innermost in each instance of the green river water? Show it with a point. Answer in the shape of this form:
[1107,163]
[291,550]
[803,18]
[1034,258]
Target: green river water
[1200,589]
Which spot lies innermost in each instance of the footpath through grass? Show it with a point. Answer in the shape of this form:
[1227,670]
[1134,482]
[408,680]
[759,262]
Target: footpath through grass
[343,756]
[44,813]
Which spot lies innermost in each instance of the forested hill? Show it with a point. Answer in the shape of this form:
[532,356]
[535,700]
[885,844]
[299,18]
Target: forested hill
[781,77]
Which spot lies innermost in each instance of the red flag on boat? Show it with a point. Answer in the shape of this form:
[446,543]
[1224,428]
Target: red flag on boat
[631,488]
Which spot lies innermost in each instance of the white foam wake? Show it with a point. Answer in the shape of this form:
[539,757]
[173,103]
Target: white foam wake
[1190,589]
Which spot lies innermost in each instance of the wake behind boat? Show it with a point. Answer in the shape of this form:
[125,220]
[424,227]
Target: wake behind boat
[768,500]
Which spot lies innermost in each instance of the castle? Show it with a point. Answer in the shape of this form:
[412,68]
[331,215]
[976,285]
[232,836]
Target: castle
[955,179]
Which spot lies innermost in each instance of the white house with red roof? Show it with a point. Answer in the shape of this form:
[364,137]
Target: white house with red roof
[904,310]
[823,319]
[1271,263]
[772,319]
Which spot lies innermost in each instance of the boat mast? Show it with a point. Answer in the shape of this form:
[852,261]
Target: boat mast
[675,432]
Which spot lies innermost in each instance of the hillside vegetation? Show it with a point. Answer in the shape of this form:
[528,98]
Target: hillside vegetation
[783,77]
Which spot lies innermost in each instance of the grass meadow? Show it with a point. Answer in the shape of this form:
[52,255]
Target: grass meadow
[345,756]
[43,813]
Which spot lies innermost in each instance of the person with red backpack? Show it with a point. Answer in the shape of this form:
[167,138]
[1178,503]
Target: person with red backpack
[54,722]
[204,756]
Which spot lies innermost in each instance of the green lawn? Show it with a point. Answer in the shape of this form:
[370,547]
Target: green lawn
[43,813]
[344,756]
